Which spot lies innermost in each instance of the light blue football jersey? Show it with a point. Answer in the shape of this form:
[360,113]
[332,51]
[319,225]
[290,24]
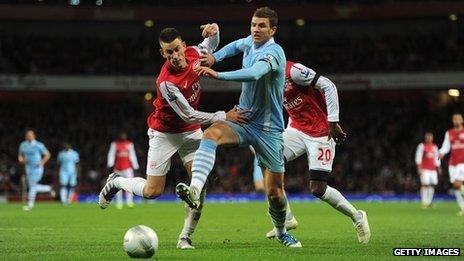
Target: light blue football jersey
[32,152]
[68,160]
[263,97]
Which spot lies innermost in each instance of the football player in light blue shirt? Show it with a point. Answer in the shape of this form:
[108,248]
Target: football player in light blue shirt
[263,77]
[33,154]
[68,159]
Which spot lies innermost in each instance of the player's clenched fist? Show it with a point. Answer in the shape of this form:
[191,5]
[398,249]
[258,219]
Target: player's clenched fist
[209,30]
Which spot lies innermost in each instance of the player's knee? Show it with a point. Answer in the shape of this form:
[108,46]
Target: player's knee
[457,185]
[317,187]
[152,192]
[212,133]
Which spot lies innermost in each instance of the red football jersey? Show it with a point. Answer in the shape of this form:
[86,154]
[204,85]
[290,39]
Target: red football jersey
[122,159]
[164,118]
[429,156]
[306,107]
[457,146]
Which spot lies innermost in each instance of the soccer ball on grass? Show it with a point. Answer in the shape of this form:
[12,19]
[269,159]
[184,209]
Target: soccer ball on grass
[140,241]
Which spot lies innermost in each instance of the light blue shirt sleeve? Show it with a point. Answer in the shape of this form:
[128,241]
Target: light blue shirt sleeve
[21,148]
[252,73]
[42,148]
[232,49]
[76,157]
[60,157]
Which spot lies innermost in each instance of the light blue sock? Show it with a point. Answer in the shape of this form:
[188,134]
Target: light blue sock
[203,163]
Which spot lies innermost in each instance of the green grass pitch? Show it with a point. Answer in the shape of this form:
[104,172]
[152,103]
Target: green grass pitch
[227,231]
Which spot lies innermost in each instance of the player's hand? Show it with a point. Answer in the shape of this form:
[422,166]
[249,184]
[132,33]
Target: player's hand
[206,71]
[207,59]
[236,115]
[336,132]
[419,171]
[439,171]
[209,30]
[441,156]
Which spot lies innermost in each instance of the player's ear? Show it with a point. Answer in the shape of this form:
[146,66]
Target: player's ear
[184,45]
[273,30]
[162,53]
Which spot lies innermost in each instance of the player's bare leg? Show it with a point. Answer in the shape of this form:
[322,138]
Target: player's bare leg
[457,189]
[192,216]
[218,134]
[274,186]
[333,197]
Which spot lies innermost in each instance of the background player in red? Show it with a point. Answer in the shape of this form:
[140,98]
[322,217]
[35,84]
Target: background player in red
[454,142]
[311,101]
[428,164]
[123,160]
[175,123]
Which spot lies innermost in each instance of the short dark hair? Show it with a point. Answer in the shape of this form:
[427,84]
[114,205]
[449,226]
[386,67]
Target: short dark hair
[266,12]
[168,35]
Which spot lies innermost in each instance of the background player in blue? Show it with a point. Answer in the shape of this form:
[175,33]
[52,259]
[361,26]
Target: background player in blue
[68,159]
[263,77]
[33,154]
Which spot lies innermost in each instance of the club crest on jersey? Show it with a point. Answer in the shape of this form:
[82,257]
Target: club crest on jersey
[268,58]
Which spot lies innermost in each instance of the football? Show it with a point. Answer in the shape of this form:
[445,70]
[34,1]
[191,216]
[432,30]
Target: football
[140,241]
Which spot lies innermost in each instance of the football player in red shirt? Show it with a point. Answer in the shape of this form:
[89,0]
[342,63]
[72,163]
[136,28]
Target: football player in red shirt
[174,125]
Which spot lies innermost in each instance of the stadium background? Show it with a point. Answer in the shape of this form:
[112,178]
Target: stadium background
[82,73]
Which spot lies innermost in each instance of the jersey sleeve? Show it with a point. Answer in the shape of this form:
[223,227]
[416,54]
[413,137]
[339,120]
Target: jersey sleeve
[419,153]
[133,157]
[43,150]
[210,44]
[182,107]
[111,155]
[446,146]
[437,157]
[232,49]
[21,149]
[60,157]
[271,57]
[253,73]
[76,157]
[305,76]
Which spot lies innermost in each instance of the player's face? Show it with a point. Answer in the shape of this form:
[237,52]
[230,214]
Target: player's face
[261,31]
[428,138]
[457,120]
[30,136]
[174,53]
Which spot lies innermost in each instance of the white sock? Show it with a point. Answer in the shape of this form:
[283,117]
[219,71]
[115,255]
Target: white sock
[63,194]
[192,216]
[459,199]
[129,198]
[430,194]
[423,194]
[31,196]
[339,202]
[289,215]
[132,185]
[43,188]
[118,198]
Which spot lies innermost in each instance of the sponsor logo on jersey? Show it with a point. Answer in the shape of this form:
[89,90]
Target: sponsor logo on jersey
[196,92]
[293,103]
[304,73]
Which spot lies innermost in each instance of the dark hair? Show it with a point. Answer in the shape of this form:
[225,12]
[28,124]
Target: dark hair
[266,12]
[168,35]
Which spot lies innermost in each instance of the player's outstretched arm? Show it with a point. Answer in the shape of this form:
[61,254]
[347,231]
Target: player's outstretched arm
[211,34]
[445,147]
[229,50]
[181,106]
[258,70]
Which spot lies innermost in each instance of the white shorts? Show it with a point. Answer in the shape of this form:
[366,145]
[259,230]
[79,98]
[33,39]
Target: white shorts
[127,173]
[162,147]
[428,177]
[456,173]
[320,150]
